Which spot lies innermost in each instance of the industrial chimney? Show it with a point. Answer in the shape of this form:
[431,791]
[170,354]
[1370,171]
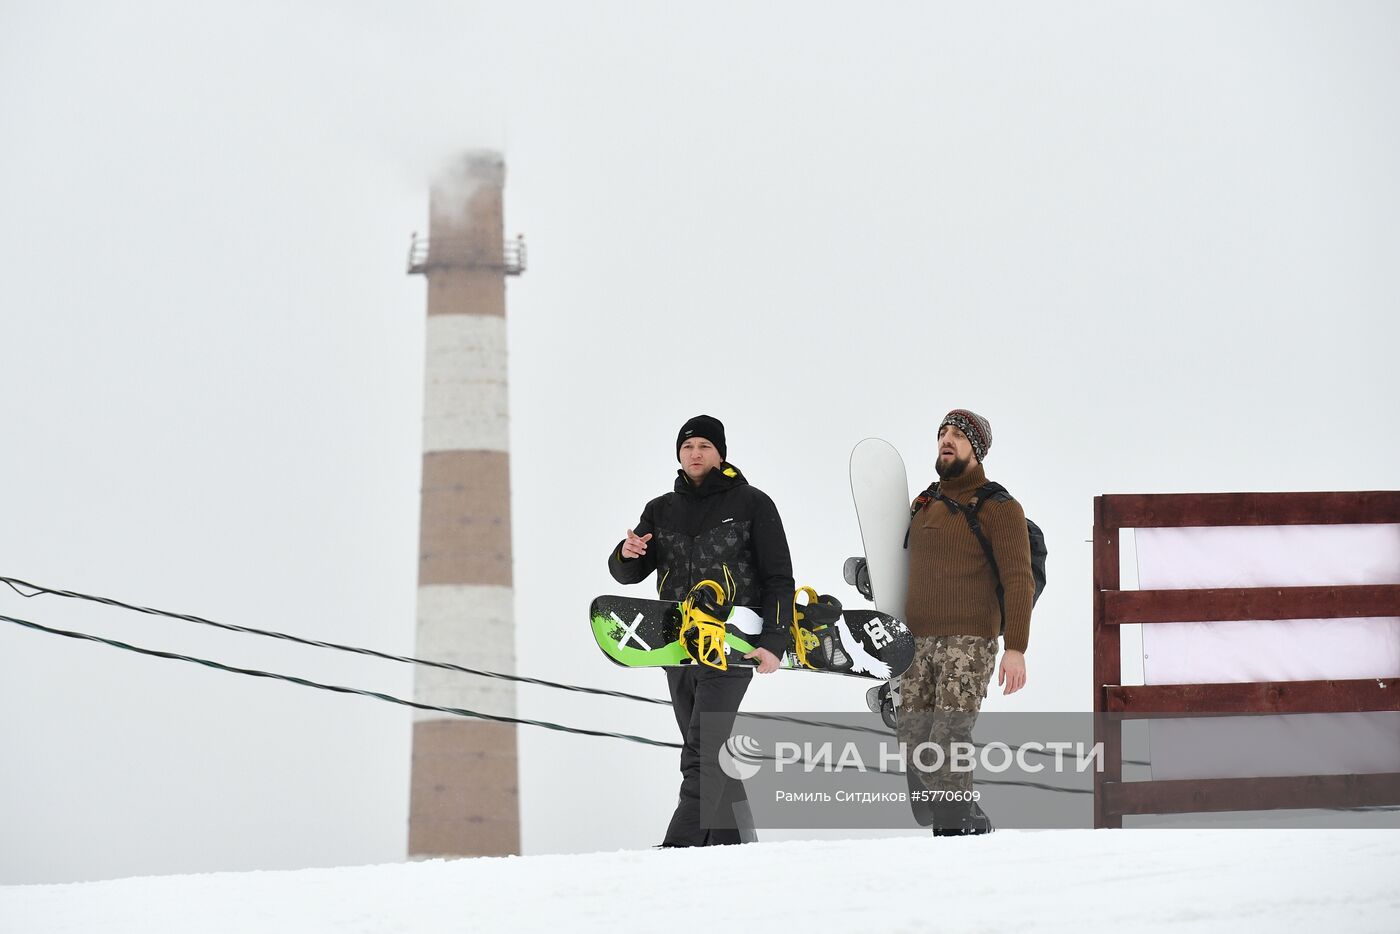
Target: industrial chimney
[464,798]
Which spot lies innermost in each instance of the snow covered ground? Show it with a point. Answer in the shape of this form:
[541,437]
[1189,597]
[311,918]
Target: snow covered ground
[1141,881]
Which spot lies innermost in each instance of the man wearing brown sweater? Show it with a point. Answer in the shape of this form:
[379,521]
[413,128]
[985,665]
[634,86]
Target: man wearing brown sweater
[957,602]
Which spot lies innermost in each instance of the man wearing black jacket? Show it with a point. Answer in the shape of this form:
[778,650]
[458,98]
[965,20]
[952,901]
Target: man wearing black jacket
[712,522]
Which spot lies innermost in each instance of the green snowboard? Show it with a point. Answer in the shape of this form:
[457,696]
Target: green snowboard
[639,633]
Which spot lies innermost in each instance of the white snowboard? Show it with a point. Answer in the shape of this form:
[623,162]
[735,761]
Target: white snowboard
[880,489]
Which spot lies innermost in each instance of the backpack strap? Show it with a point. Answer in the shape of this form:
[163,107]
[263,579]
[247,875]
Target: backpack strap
[969,512]
[920,501]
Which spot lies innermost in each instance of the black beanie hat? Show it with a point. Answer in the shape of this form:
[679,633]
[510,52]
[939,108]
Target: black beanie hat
[703,426]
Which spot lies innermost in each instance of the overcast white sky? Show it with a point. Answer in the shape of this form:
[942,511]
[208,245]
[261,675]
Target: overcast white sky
[1156,244]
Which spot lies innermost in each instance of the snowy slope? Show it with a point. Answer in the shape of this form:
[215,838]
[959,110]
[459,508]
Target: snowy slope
[1048,881]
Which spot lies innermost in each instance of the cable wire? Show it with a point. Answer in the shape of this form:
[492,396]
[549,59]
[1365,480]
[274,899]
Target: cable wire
[15,584]
[12,582]
[339,689]
[389,698]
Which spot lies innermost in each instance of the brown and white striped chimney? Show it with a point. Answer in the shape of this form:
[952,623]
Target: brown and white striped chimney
[464,798]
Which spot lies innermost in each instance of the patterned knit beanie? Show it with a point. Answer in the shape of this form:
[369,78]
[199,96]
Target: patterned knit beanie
[977,429]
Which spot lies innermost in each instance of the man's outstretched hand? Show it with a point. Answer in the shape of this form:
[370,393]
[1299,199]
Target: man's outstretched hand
[635,546]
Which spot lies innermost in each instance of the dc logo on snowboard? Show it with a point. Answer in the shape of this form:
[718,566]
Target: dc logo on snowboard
[740,757]
[879,635]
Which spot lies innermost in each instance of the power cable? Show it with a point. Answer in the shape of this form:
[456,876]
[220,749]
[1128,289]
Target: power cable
[389,698]
[39,590]
[339,689]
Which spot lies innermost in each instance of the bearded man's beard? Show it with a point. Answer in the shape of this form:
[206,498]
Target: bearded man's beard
[948,470]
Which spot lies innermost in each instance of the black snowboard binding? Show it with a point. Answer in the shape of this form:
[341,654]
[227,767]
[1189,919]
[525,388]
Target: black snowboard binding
[857,574]
[814,634]
[883,699]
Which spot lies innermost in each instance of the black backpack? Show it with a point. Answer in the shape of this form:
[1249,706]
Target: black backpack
[985,492]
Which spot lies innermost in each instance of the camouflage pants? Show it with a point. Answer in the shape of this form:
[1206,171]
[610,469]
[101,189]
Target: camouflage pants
[940,696]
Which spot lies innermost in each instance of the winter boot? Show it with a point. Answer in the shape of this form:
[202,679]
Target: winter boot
[963,820]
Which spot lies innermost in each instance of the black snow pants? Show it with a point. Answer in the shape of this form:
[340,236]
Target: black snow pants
[705,702]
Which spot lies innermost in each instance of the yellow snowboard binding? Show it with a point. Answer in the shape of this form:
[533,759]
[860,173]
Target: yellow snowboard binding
[703,614]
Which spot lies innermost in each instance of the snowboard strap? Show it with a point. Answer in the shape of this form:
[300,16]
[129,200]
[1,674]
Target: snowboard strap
[703,614]
[803,639]
[814,634]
